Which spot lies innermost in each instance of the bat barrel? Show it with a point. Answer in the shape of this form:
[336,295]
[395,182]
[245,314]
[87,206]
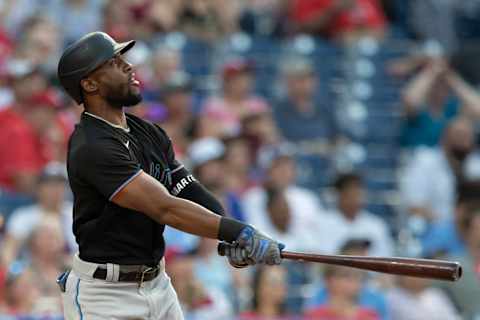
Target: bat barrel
[422,268]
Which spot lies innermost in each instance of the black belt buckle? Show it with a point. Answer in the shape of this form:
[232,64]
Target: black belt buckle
[62,280]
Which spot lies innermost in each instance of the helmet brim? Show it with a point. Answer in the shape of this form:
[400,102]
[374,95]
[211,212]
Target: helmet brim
[124,47]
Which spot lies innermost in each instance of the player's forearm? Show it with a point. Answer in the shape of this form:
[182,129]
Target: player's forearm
[189,217]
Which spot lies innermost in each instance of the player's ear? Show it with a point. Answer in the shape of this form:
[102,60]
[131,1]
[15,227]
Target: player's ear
[89,85]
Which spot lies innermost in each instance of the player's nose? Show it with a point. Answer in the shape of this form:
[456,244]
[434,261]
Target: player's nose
[127,67]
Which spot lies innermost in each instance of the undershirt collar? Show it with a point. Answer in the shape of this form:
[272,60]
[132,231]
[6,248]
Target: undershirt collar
[107,122]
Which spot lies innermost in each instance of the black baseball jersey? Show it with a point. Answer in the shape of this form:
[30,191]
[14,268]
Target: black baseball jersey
[102,159]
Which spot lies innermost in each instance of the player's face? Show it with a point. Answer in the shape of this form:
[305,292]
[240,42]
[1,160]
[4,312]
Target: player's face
[117,83]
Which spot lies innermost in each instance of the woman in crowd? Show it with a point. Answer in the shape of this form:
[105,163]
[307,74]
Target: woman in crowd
[269,294]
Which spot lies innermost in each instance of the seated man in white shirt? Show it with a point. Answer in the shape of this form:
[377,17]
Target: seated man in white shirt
[280,221]
[302,205]
[428,185]
[349,219]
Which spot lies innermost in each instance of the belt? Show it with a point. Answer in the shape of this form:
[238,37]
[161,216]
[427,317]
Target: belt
[138,274]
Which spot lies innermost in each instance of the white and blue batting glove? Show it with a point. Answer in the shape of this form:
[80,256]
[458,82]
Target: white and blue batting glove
[258,248]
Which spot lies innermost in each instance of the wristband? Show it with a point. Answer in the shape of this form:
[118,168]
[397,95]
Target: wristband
[230,229]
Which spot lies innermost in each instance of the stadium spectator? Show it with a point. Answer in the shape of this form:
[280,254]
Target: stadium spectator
[281,222]
[24,79]
[440,21]
[300,109]
[446,237]
[369,297]
[117,19]
[50,203]
[89,12]
[236,101]
[432,99]
[264,18]
[343,286]
[415,299]
[288,200]
[212,270]
[209,20]
[269,294]
[47,261]
[32,122]
[432,20]
[178,102]
[14,13]
[428,183]
[238,161]
[163,65]
[260,131]
[349,219]
[155,17]
[345,20]
[40,43]
[21,292]
[196,300]
[466,291]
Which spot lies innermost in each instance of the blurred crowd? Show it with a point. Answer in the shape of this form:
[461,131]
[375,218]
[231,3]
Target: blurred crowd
[274,137]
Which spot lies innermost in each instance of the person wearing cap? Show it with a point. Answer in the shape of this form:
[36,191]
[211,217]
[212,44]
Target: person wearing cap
[50,203]
[300,107]
[127,186]
[236,100]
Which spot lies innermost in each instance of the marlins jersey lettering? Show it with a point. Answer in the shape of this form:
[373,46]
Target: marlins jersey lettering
[102,159]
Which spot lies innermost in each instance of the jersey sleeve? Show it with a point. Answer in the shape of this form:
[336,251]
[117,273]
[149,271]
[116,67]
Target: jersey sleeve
[107,166]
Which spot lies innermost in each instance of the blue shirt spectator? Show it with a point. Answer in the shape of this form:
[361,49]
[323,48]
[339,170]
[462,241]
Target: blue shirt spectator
[314,125]
[299,115]
[431,99]
[443,237]
[425,128]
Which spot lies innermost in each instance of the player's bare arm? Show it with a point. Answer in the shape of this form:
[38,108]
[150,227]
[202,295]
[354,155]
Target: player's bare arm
[147,195]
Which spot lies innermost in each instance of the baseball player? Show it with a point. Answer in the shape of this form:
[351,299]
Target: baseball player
[127,186]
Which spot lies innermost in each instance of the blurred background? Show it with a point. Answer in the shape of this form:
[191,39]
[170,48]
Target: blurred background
[335,126]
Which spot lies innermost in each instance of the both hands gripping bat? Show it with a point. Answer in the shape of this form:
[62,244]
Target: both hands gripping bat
[421,268]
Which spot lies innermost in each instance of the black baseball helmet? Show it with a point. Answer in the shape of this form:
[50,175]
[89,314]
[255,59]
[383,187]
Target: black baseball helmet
[84,56]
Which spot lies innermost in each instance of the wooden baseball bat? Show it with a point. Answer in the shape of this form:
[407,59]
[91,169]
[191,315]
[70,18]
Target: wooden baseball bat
[421,268]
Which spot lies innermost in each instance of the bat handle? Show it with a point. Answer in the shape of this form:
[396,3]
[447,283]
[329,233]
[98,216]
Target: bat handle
[222,247]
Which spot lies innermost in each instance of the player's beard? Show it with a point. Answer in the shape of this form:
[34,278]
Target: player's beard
[129,99]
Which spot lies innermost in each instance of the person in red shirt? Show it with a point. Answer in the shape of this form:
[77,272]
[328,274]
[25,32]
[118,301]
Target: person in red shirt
[339,19]
[31,135]
[343,286]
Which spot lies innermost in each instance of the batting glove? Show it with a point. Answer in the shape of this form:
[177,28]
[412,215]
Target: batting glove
[237,257]
[258,248]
